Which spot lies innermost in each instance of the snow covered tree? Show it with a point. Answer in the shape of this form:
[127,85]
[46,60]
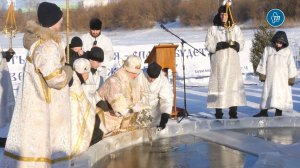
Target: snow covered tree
[262,37]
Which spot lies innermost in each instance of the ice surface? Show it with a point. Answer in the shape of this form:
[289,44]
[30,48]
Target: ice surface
[222,132]
[179,151]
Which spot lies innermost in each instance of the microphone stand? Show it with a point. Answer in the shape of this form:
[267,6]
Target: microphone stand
[186,114]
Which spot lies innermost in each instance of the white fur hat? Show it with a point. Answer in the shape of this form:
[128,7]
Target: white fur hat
[133,64]
[82,65]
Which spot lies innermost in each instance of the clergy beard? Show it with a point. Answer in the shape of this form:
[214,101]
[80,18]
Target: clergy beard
[93,70]
[94,35]
[80,78]
[134,85]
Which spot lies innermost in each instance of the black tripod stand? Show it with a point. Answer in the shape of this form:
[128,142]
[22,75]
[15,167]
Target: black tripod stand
[183,68]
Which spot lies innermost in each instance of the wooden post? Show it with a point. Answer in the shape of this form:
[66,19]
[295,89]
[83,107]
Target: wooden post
[67,32]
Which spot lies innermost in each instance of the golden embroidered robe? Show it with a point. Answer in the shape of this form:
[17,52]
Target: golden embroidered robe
[40,131]
[121,93]
[83,117]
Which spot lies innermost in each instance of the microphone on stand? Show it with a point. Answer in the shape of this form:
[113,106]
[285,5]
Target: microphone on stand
[163,27]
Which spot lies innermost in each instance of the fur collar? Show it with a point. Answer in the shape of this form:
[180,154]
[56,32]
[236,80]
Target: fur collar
[34,32]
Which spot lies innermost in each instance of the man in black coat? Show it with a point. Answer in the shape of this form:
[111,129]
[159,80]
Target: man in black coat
[76,50]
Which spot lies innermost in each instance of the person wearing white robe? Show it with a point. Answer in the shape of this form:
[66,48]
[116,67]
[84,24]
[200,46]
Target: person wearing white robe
[95,80]
[83,112]
[223,41]
[91,85]
[7,100]
[121,101]
[277,69]
[95,38]
[156,91]
[40,131]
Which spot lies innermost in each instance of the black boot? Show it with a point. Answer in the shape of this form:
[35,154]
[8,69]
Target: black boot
[97,133]
[262,113]
[233,112]
[219,114]
[278,112]
[2,142]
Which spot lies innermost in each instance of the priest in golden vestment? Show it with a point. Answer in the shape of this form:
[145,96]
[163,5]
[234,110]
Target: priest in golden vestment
[40,131]
[122,94]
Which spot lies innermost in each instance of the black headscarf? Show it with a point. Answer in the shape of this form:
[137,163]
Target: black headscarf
[280,36]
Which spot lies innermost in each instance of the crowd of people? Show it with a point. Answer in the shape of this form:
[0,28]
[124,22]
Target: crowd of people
[66,105]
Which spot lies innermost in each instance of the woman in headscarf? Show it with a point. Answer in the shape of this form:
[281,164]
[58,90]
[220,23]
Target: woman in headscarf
[277,69]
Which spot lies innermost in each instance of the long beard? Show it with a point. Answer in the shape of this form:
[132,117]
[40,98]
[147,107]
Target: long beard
[133,83]
[93,70]
[135,91]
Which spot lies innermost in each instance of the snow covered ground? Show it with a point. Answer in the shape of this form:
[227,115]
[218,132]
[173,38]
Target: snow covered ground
[196,101]
[157,35]
[196,95]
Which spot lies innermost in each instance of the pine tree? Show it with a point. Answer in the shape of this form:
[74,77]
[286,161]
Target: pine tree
[262,37]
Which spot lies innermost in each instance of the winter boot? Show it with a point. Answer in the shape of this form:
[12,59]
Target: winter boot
[262,113]
[219,114]
[233,112]
[97,134]
[278,112]
[2,142]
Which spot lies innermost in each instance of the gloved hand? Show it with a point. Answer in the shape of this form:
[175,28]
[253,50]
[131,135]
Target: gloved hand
[222,45]
[69,72]
[235,46]
[291,81]
[164,120]
[8,54]
[103,105]
[138,107]
[71,82]
[262,77]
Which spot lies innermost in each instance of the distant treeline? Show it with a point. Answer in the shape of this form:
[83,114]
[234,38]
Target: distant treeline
[139,14]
